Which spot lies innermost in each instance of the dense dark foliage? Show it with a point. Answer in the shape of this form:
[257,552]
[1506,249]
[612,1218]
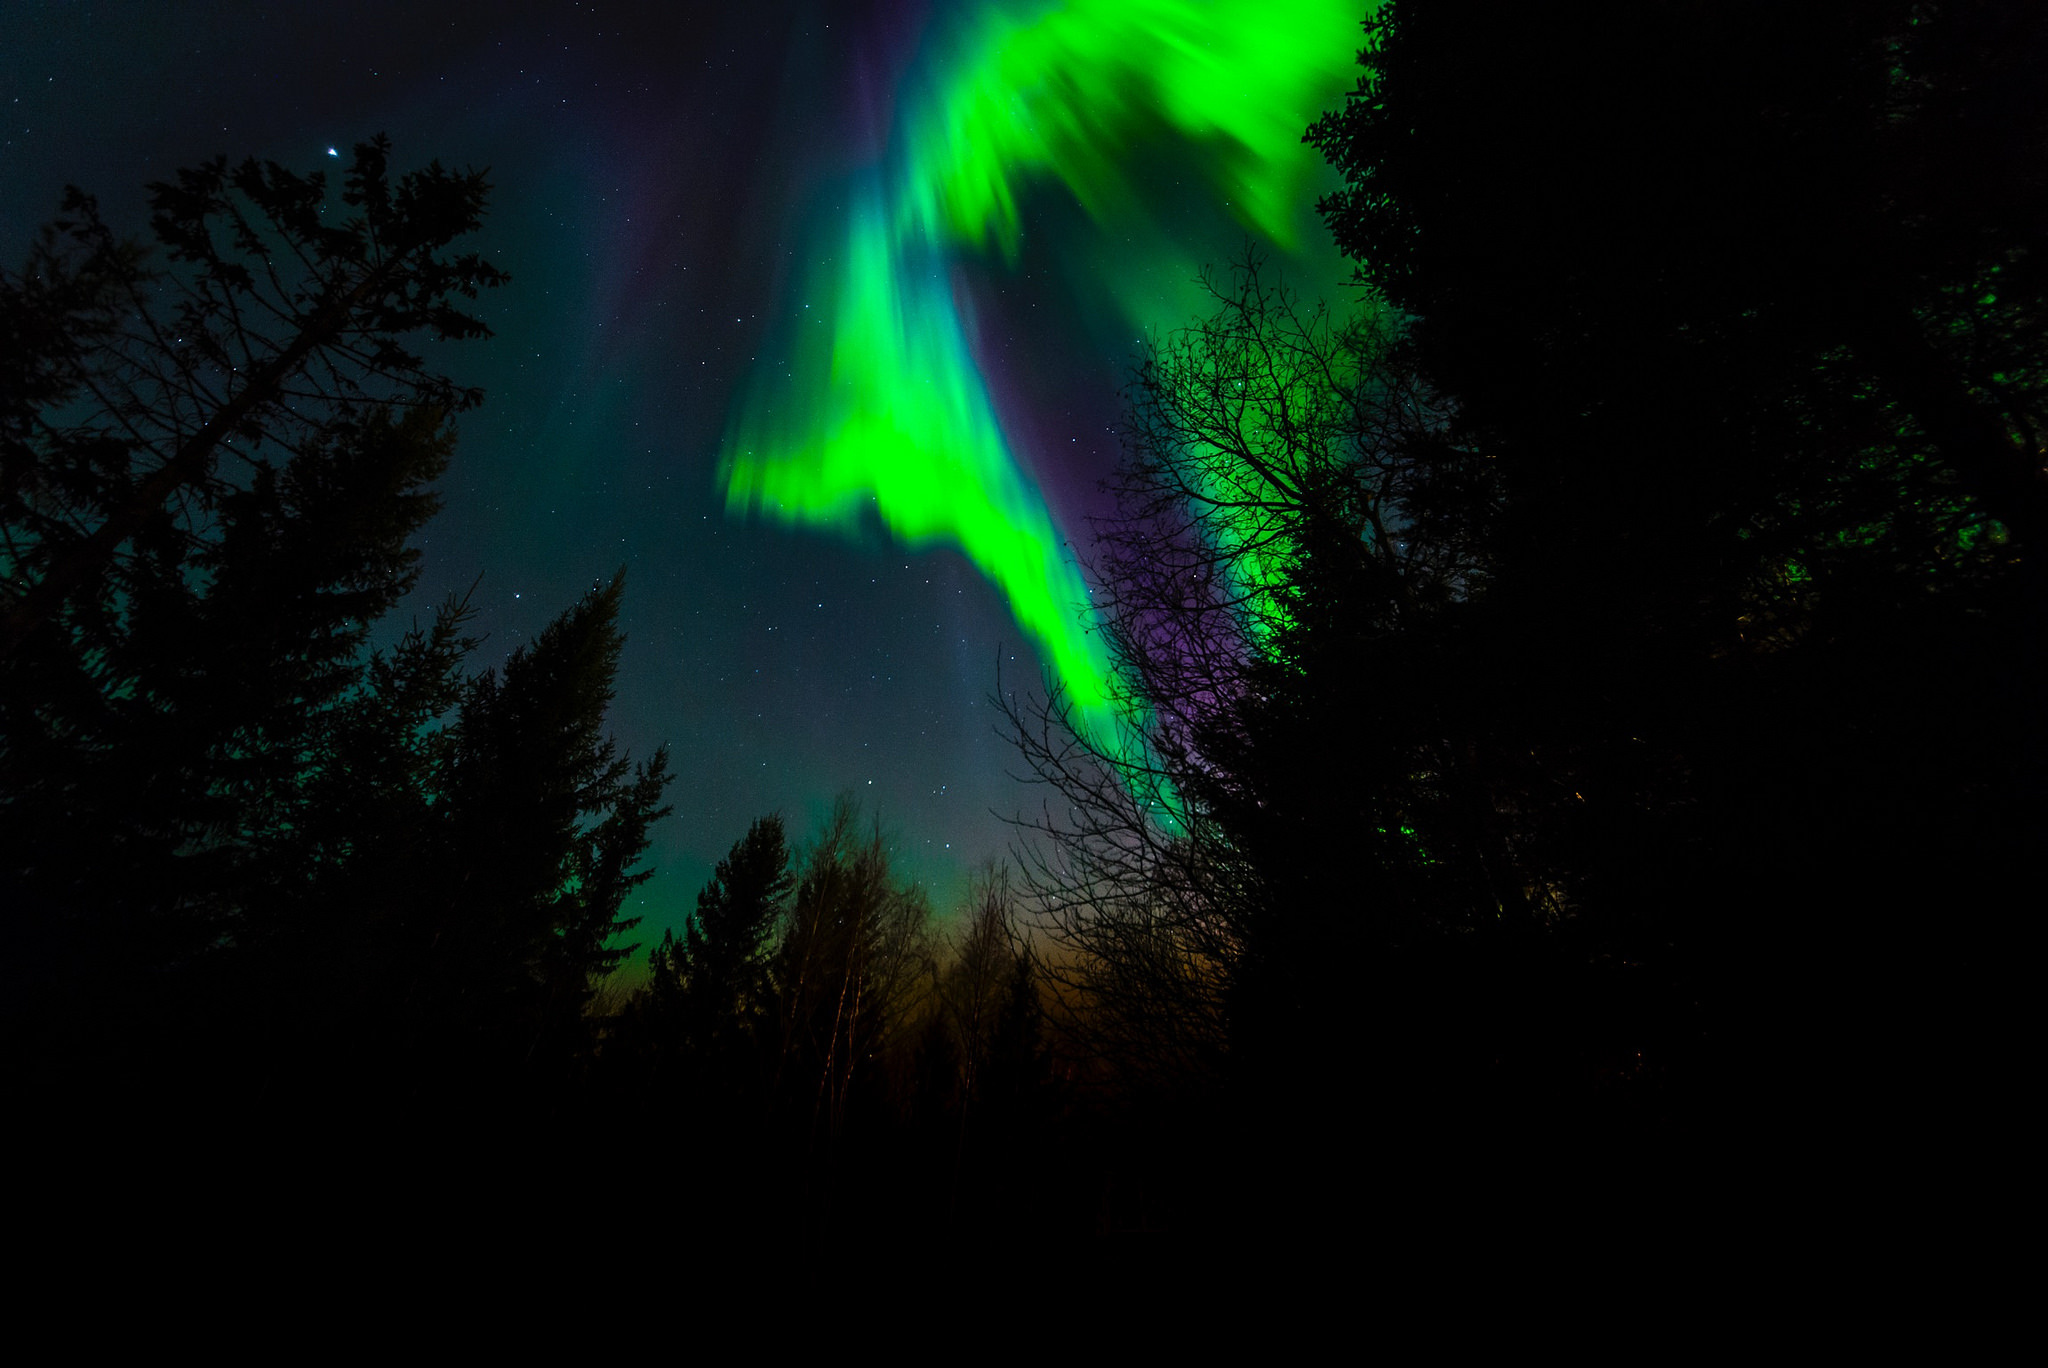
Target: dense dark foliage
[1582,699]
[1745,302]
[1572,685]
[131,388]
[256,847]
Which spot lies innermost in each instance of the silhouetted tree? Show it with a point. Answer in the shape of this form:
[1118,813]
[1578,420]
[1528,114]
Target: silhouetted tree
[851,965]
[984,1036]
[1807,229]
[1274,595]
[974,986]
[206,496]
[545,823]
[272,323]
[709,995]
[154,768]
[982,1091]
[256,850]
[1744,302]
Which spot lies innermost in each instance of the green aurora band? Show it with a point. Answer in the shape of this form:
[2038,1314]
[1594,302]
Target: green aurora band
[881,408]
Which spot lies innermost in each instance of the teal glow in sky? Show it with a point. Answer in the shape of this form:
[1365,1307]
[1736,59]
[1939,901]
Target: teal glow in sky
[983,214]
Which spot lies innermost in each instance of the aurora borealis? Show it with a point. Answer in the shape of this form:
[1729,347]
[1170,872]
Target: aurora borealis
[817,321]
[894,413]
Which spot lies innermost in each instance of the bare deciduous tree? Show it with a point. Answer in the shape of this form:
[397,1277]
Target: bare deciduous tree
[1269,481]
[853,963]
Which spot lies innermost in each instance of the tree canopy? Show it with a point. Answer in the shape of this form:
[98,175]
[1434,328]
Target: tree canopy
[224,815]
[268,321]
[1762,265]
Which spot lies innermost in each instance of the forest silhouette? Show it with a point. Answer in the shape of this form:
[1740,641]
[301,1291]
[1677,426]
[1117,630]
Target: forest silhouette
[1583,689]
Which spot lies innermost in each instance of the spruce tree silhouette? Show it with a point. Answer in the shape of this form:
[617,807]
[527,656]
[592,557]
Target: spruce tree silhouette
[279,321]
[1783,223]
[544,822]
[256,850]
[1745,304]
[709,998]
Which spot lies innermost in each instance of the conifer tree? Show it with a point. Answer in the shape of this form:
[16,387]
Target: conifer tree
[544,823]
[1744,304]
[252,845]
[152,386]
[211,464]
[710,990]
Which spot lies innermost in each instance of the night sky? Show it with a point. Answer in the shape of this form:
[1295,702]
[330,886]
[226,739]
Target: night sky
[818,319]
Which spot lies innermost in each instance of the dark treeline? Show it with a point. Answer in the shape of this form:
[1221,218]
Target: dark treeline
[280,898]
[1592,678]
[245,854]
[1741,308]
[1584,725]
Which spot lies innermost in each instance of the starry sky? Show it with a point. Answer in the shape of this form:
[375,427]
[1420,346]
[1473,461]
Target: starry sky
[818,322]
